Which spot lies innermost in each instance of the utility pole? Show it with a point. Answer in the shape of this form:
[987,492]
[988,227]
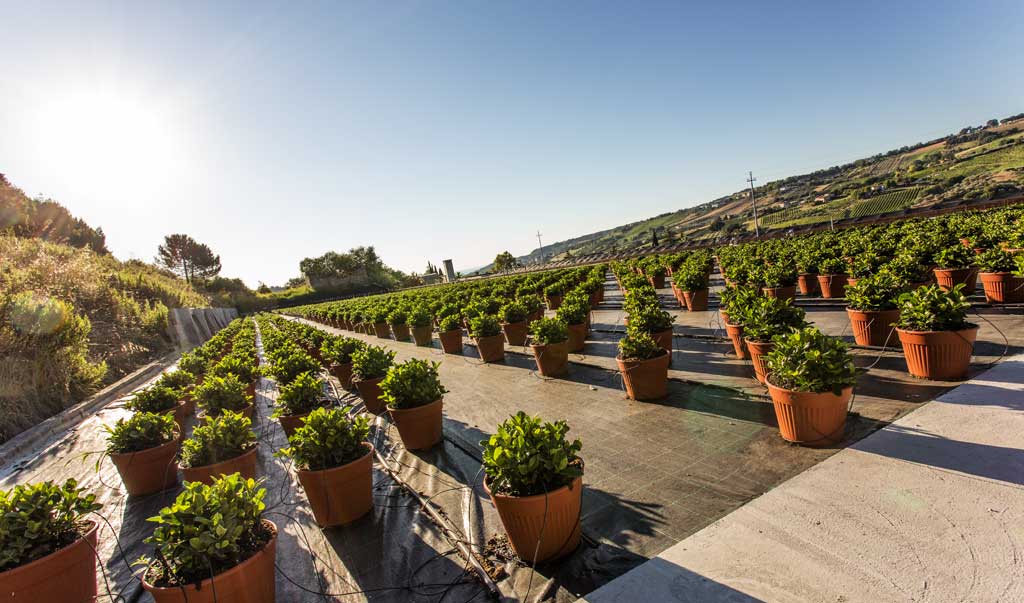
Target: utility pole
[753,203]
[541,245]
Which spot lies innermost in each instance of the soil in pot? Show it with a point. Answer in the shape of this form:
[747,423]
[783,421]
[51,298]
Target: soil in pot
[340,495]
[808,284]
[401,332]
[369,391]
[1002,287]
[492,348]
[645,379]
[343,373]
[808,418]
[451,341]
[873,327]
[552,359]
[423,335]
[515,333]
[938,355]
[832,285]
[420,427]
[557,512]
[736,335]
[148,471]
[251,581]
[759,356]
[577,337]
[948,278]
[67,575]
[696,301]
[244,464]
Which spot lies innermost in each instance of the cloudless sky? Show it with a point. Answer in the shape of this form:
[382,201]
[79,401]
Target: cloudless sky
[433,130]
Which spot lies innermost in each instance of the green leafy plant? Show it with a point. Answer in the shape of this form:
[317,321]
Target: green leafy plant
[193,363]
[412,383]
[371,362]
[554,290]
[650,317]
[218,439]
[289,365]
[208,530]
[485,326]
[450,323]
[876,292]
[638,345]
[527,456]
[419,317]
[180,380]
[954,256]
[238,365]
[548,330]
[778,275]
[218,394]
[766,317]
[810,361]
[533,303]
[158,399]
[691,276]
[300,396]
[39,519]
[398,317]
[339,350]
[329,437]
[995,260]
[573,312]
[832,265]
[141,431]
[929,308]
[513,312]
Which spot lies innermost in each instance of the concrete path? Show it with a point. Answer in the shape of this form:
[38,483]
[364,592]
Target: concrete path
[930,508]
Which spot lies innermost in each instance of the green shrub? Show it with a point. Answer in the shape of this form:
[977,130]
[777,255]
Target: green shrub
[339,350]
[650,317]
[218,394]
[218,439]
[766,317]
[193,362]
[419,317]
[810,361]
[995,260]
[573,312]
[371,362]
[548,330]
[929,308]
[513,312]
[532,302]
[287,367]
[39,519]
[878,291]
[484,326]
[638,345]
[450,323]
[235,364]
[328,438]
[736,299]
[832,265]
[208,530]
[954,256]
[156,399]
[180,380]
[398,317]
[554,290]
[300,396]
[141,431]
[778,275]
[691,276]
[412,383]
[527,456]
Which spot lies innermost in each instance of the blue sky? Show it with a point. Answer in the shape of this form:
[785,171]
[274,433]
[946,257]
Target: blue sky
[438,130]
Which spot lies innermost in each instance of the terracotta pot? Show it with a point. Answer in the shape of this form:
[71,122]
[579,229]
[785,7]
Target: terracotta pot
[725,316]
[420,427]
[182,412]
[382,330]
[492,348]
[401,332]
[290,423]
[451,341]
[67,575]
[340,495]
[658,282]
[758,357]
[595,298]
[250,390]
[369,391]
[251,581]
[1002,287]
[554,302]
[423,335]
[832,285]
[148,471]
[577,337]
[678,294]
[780,292]
[696,301]
[807,282]
[873,327]
[664,341]
[736,335]
[808,418]
[544,526]
[938,355]
[515,332]
[947,278]
[552,359]
[645,379]
[245,464]
[343,373]
[851,281]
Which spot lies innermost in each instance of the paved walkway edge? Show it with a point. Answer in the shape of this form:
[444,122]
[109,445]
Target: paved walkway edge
[930,508]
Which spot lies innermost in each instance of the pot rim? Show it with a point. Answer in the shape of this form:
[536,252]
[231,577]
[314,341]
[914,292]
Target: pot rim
[544,345]
[95,526]
[230,460]
[532,497]
[416,408]
[368,381]
[662,353]
[366,445]
[851,310]
[176,440]
[848,388]
[971,327]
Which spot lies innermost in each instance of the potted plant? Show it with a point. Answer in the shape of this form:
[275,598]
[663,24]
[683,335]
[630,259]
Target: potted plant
[550,344]
[161,399]
[450,334]
[489,340]
[513,317]
[692,281]
[218,394]
[936,337]
[213,544]
[242,367]
[219,445]
[334,464]
[832,277]
[369,367]
[763,320]
[655,273]
[534,476]
[810,380]
[289,363]
[996,272]
[553,294]
[143,449]
[779,280]
[379,320]
[807,270]
[47,546]
[534,307]
[422,330]
[574,313]
[398,320]
[414,395]
[182,382]
[955,265]
[733,301]
[297,399]
[646,315]
[644,366]
[193,363]
[337,352]
[871,306]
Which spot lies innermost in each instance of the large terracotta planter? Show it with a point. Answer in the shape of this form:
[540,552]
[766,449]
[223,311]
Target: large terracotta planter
[244,464]
[552,359]
[148,471]
[554,302]
[780,292]
[807,283]
[492,348]
[451,341]
[541,527]
[251,581]
[808,418]
[645,379]
[947,278]
[577,337]
[873,327]
[382,330]
[423,335]
[832,285]
[735,333]
[938,355]
[696,301]
[369,391]
[658,282]
[291,423]
[758,351]
[343,373]
[515,333]
[1002,287]
[340,495]
[420,427]
[401,332]
[67,575]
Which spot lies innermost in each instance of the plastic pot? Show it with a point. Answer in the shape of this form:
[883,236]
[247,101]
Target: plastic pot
[343,373]
[515,332]
[423,335]
[658,282]
[947,278]
[811,419]
[369,391]
[67,575]
[1002,287]
[420,427]
[148,471]
[938,355]
[832,285]
[554,302]
[544,526]
[382,330]
[758,351]
[807,282]
[401,332]
[645,379]
[552,358]
[873,327]
[244,464]
[340,495]
[577,337]
[735,333]
[451,341]
[696,301]
[290,423]
[491,348]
